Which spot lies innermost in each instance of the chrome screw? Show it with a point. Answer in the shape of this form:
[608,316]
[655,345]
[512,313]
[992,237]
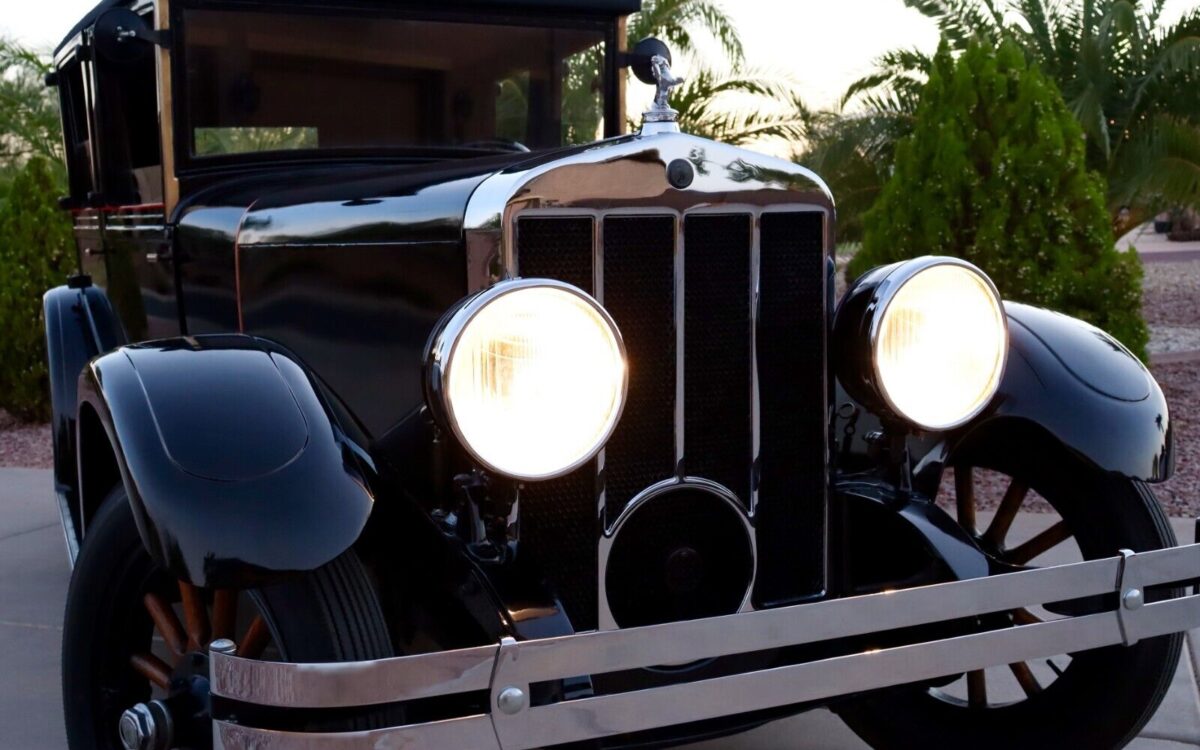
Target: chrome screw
[223,646]
[511,700]
[1133,599]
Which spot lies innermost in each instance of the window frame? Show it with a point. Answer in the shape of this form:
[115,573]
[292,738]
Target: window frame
[188,164]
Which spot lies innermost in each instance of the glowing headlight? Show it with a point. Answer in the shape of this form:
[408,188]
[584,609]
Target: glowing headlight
[937,340]
[530,376]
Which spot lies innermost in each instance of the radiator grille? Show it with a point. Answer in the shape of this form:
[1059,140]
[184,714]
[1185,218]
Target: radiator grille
[720,268]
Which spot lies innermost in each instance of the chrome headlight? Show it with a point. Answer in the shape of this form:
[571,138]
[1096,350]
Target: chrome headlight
[925,340]
[530,376]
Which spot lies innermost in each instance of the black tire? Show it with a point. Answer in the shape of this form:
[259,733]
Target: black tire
[332,614]
[1103,698]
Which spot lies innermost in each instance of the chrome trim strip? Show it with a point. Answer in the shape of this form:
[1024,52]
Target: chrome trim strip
[473,732]
[68,525]
[755,393]
[510,666]
[680,345]
[355,683]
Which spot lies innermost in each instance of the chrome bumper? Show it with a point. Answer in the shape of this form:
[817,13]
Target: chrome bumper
[507,669]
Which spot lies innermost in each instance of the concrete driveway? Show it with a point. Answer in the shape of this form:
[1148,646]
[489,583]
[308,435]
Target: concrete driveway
[33,584]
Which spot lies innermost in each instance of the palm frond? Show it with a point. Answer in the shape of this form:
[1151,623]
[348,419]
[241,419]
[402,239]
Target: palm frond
[1162,167]
[740,108]
[680,22]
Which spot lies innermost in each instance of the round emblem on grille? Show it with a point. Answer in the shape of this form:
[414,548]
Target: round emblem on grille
[680,553]
[680,173]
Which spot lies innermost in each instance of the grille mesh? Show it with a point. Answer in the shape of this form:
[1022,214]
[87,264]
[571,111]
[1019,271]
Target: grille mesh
[791,376]
[716,382]
[559,518]
[639,292]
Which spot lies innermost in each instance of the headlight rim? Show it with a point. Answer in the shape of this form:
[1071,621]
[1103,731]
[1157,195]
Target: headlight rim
[449,334]
[887,289]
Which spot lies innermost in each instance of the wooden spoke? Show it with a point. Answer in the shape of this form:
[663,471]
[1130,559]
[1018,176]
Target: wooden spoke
[977,689]
[153,669]
[166,623]
[255,640]
[224,613]
[1014,496]
[195,613]
[1047,540]
[1026,679]
[964,496]
[1025,617]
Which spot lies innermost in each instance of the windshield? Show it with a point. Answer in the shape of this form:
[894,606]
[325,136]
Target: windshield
[261,82]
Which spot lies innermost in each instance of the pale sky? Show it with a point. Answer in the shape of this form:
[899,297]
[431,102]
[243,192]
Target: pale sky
[822,45]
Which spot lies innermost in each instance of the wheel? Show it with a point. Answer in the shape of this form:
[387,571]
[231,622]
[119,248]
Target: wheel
[1094,699]
[132,633]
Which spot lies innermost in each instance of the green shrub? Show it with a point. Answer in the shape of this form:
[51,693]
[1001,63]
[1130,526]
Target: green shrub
[36,253]
[995,172]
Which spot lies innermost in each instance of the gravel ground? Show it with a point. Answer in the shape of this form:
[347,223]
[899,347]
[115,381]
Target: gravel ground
[1170,297]
[24,444]
[1181,383]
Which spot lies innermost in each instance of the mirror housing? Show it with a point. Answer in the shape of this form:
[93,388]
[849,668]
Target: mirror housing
[120,36]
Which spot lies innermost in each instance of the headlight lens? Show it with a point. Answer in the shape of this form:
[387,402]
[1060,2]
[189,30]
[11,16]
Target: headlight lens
[940,345]
[533,378]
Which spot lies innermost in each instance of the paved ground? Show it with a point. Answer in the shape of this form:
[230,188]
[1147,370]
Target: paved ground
[33,580]
[1156,248]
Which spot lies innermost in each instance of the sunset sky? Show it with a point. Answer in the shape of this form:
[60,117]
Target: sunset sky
[820,45]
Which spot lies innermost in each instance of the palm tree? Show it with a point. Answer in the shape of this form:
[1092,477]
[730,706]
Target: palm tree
[706,107]
[1120,70]
[680,22]
[29,122]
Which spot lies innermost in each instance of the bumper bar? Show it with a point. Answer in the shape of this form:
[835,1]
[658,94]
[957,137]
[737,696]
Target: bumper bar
[507,670]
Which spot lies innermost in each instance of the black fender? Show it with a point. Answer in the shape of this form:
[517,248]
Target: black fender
[1079,387]
[236,465]
[80,325]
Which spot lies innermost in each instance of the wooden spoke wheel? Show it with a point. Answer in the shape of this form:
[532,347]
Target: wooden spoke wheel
[206,617]
[1095,699]
[136,638]
[993,530]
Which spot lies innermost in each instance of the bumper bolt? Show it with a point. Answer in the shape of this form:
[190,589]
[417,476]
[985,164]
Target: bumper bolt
[223,646]
[1133,599]
[511,700]
[146,727]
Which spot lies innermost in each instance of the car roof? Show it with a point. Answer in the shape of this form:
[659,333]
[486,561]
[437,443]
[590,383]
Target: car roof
[615,7]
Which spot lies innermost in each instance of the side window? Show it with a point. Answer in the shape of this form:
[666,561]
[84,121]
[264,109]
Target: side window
[77,139]
[129,137]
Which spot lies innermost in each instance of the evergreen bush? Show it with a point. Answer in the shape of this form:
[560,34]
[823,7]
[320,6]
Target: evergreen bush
[995,172]
[36,253]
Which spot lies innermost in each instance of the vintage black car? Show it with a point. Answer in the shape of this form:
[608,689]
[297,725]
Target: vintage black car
[402,401]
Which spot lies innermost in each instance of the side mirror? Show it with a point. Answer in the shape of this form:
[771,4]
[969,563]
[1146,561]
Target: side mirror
[639,58]
[121,36]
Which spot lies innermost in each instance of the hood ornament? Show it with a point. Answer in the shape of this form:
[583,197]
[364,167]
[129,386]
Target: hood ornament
[665,80]
[650,60]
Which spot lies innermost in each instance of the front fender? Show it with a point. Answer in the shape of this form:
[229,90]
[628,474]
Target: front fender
[236,467]
[1089,393]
